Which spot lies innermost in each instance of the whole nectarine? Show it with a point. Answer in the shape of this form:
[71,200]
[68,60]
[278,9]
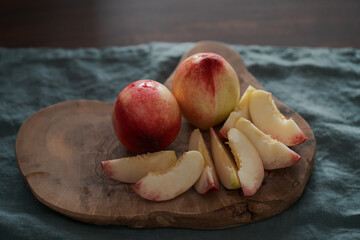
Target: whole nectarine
[207,89]
[146,117]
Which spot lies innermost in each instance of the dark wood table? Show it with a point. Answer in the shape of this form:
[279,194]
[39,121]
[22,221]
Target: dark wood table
[100,23]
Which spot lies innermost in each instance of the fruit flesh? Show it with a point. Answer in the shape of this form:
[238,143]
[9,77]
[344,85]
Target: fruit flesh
[168,184]
[229,123]
[241,110]
[251,170]
[274,154]
[132,169]
[208,180]
[224,164]
[266,116]
[243,106]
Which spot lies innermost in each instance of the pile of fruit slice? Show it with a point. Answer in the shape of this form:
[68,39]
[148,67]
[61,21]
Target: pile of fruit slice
[206,90]
[158,176]
[257,134]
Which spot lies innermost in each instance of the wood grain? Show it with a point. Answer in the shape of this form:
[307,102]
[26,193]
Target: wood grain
[59,150]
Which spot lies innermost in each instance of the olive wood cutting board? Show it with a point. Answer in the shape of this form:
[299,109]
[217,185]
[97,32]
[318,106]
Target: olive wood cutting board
[59,150]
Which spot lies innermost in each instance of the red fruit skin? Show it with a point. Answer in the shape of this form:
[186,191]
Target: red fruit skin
[106,167]
[146,117]
[198,86]
[298,139]
[223,132]
[199,82]
[249,191]
[295,158]
[212,188]
[203,74]
[295,140]
[211,185]
[138,189]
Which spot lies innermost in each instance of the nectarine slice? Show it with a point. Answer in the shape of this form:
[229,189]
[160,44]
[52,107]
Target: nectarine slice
[224,163]
[243,106]
[208,180]
[132,169]
[266,116]
[251,169]
[274,154]
[241,110]
[168,184]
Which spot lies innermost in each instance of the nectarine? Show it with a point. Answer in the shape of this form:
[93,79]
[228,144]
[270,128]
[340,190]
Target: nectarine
[267,117]
[170,183]
[224,163]
[207,89]
[208,180]
[146,117]
[274,154]
[251,168]
[132,169]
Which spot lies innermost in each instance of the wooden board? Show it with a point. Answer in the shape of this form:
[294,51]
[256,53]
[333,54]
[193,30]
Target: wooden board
[59,150]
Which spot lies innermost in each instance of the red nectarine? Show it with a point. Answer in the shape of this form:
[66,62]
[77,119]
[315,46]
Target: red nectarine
[146,117]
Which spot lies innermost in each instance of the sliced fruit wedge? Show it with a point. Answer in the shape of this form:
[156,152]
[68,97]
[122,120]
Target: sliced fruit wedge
[274,154]
[208,180]
[266,116]
[251,170]
[224,163]
[243,106]
[229,123]
[165,185]
[241,110]
[132,169]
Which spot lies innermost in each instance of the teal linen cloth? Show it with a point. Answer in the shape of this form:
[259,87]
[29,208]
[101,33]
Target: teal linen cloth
[322,85]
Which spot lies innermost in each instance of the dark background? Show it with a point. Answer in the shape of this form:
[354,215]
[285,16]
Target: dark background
[101,23]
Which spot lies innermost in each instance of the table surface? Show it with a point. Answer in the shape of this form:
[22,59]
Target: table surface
[101,23]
